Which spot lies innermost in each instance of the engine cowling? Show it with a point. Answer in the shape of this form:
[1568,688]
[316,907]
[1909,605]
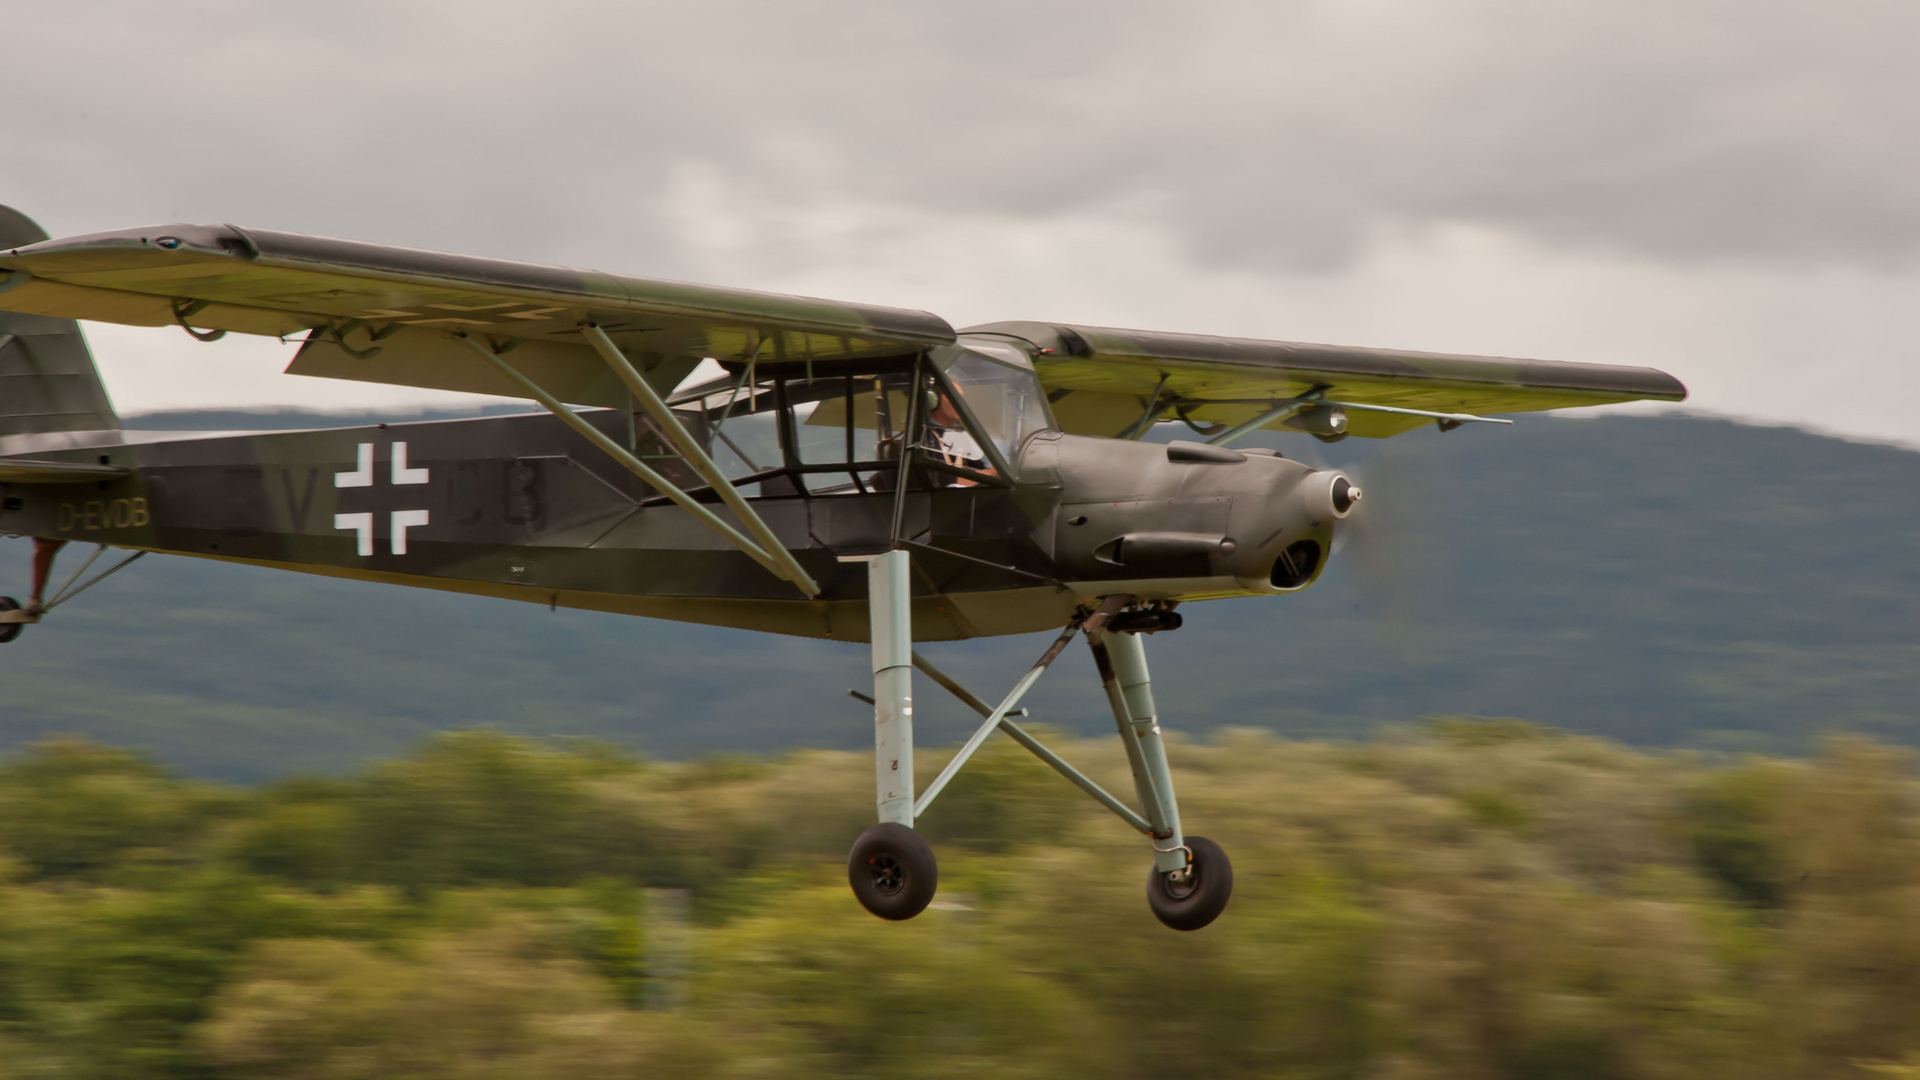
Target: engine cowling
[1184,520]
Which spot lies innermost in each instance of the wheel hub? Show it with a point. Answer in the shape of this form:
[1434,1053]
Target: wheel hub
[888,877]
[1181,883]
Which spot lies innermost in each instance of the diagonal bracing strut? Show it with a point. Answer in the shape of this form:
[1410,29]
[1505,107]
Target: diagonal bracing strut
[998,716]
[67,592]
[640,468]
[696,456]
[38,603]
[1036,747]
[1284,409]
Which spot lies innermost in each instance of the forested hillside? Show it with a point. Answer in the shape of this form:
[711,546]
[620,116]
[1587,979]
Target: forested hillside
[1469,899]
[1666,581]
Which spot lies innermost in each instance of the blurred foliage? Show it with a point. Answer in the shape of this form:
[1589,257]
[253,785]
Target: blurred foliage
[1002,799]
[1467,899]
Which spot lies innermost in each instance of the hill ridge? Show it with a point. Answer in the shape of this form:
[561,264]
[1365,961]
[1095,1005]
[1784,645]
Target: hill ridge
[1662,580]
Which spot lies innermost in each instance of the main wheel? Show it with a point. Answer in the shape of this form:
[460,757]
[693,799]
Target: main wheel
[892,871]
[1197,901]
[9,631]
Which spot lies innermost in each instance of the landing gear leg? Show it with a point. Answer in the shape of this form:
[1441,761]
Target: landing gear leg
[43,552]
[1191,879]
[14,618]
[891,868]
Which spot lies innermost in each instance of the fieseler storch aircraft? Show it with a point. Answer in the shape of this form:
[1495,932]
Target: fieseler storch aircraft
[743,459]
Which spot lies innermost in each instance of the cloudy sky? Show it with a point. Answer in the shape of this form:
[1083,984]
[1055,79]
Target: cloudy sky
[1722,188]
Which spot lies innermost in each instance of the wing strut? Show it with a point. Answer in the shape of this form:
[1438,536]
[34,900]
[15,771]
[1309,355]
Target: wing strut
[1284,409]
[697,456]
[1156,408]
[1454,418]
[1447,420]
[639,468]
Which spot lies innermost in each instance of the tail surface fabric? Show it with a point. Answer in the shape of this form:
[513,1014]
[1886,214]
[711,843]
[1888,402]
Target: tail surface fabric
[47,378]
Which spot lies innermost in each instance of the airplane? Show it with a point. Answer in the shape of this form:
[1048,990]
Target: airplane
[744,459]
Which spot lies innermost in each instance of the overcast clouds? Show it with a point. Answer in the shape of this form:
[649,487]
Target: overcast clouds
[1723,189]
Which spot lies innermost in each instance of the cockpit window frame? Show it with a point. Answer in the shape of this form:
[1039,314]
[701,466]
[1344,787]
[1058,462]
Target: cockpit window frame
[989,349]
[981,435]
[727,394]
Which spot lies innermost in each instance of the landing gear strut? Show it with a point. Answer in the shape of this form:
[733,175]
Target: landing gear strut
[891,868]
[1192,879]
[11,624]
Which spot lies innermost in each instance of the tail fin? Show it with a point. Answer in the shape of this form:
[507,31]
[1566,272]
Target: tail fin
[47,378]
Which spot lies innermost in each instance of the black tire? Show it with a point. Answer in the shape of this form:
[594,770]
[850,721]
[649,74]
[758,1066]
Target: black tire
[1202,898]
[9,631]
[892,872]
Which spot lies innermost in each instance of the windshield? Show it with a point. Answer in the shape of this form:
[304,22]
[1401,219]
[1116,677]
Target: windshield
[999,387]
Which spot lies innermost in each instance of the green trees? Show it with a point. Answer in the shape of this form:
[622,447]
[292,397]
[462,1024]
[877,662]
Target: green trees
[1468,900]
[73,809]
[501,1001]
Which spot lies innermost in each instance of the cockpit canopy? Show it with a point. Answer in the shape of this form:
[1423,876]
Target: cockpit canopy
[838,427]
[996,381]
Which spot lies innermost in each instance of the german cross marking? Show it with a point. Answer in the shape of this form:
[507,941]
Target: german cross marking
[398,521]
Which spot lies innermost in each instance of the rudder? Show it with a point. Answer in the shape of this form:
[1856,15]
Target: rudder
[48,381]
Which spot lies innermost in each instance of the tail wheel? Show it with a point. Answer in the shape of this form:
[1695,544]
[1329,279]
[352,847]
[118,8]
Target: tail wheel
[9,631]
[1195,899]
[892,871]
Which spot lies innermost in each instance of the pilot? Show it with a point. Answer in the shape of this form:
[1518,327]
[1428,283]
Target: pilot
[948,437]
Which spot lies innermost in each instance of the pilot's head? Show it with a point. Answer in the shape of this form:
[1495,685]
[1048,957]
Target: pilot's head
[943,412]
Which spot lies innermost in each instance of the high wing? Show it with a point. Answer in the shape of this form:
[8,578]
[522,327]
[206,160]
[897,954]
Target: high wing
[376,313]
[1102,381]
[383,314]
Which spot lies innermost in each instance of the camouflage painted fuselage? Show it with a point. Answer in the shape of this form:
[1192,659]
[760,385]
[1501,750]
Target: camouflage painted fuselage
[521,507]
